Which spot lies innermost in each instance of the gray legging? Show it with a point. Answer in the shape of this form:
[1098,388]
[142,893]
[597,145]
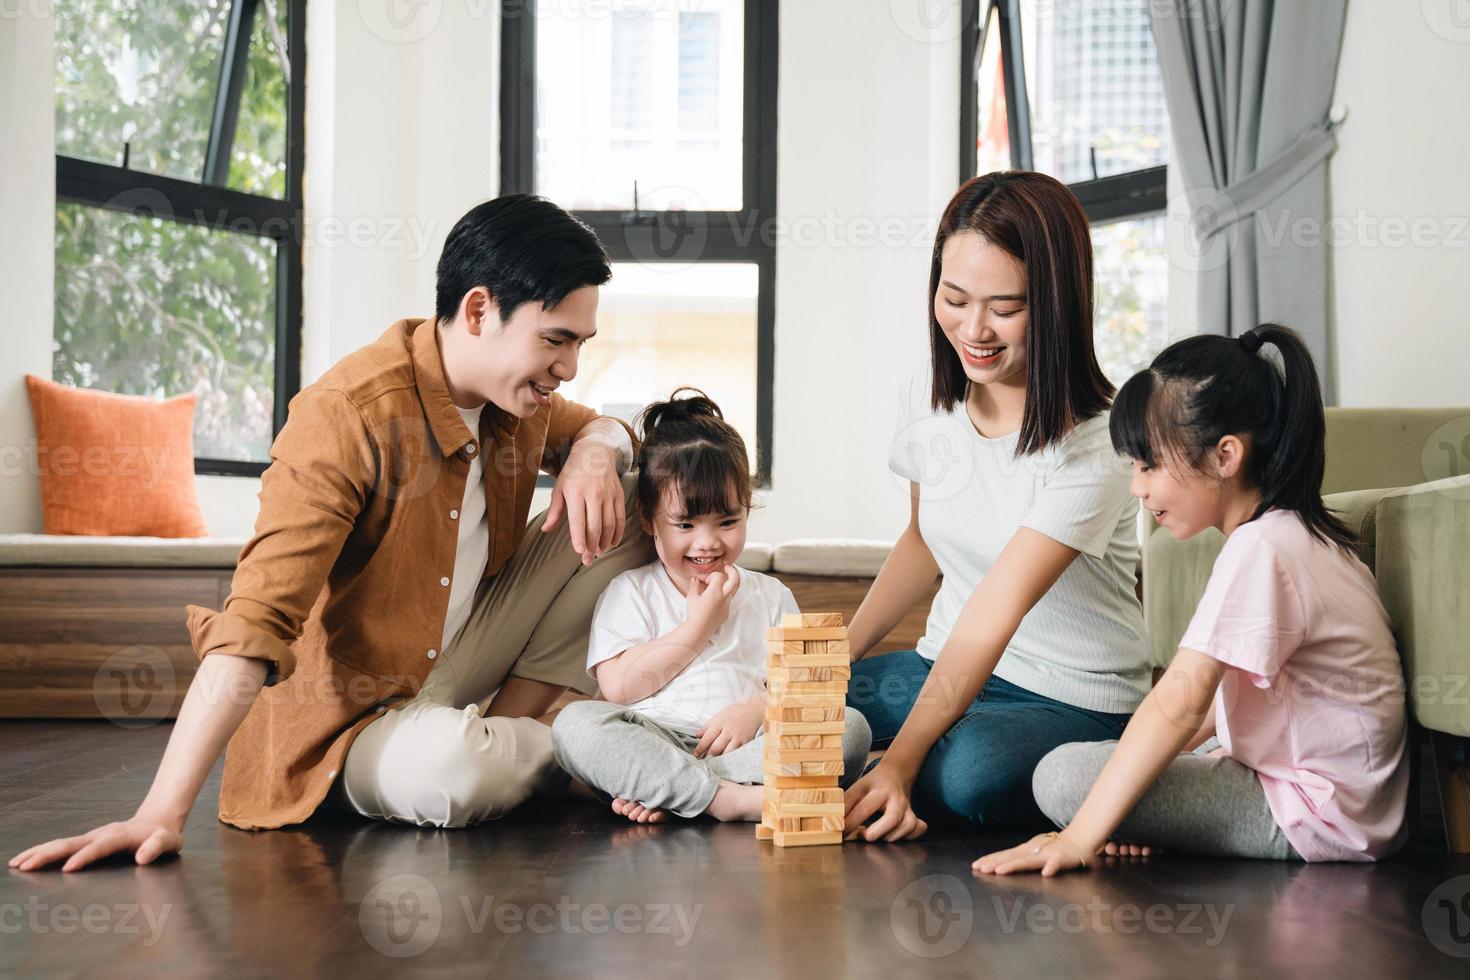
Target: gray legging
[1201,803]
[622,753]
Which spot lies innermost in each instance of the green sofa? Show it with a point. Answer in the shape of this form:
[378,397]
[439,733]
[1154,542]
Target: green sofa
[1394,478]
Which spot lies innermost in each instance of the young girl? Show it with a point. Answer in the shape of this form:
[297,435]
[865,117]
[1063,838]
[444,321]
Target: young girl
[679,645]
[1288,662]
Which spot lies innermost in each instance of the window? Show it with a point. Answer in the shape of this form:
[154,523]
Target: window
[1073,90]
[178,182]
[655,124]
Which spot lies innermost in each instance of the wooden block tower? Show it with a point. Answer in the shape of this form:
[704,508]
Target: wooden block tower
[807,668]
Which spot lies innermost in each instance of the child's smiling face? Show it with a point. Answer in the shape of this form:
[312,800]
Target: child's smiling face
[695,546]
[1182,504]
[1187,500]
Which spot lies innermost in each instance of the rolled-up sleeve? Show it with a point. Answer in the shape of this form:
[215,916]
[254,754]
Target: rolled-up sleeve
[310,497]
[567,419]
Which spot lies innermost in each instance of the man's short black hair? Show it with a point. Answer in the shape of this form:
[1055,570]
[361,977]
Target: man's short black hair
[523,249]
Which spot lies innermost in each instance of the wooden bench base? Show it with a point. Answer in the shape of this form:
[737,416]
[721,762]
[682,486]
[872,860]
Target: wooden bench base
[112,642]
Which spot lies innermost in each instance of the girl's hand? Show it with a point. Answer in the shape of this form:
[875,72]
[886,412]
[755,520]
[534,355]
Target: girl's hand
[1049,853]
[883,789]
[709,601]
[1130,850]
[729,729]
[146,838]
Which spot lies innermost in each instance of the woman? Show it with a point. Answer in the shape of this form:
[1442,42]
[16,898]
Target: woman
[1036,636]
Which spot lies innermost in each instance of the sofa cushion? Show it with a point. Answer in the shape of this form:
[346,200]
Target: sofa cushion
[115,464]
[756,557]
[838,557]
[53,550]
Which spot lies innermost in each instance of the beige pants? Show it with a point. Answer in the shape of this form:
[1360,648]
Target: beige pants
[434,760]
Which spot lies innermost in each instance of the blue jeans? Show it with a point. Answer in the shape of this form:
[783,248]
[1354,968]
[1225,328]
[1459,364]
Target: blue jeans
[979,772]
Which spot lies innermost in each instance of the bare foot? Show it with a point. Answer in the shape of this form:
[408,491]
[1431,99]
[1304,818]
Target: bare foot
[1112,849]
[736,801]
[637,812]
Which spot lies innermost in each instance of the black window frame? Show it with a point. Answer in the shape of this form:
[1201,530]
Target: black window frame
[208,203]
[1134,194]
[743,237]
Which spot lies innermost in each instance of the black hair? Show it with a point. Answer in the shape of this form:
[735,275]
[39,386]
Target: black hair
[523,249]
[688,444]
[1038,221]
[1201,389]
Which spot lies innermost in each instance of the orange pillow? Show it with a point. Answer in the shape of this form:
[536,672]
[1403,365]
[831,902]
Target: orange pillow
[115,464]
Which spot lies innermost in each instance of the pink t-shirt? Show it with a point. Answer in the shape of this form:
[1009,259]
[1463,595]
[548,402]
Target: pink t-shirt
[1314,699]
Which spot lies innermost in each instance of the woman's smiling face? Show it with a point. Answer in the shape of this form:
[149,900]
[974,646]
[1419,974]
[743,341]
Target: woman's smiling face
[981,307]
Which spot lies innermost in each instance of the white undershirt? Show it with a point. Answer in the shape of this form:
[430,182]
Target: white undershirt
[473,548]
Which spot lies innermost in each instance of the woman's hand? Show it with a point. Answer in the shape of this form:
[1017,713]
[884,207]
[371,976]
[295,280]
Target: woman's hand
[1048,853]
[729,729]
[146,838]
[709,601]
[885,790]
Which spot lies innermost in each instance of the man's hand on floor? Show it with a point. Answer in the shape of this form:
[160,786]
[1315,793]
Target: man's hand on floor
[146,838]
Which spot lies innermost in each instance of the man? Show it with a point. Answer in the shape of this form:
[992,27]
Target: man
[393,629]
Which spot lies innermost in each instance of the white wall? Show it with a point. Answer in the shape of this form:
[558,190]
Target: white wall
[402,137]
[1400,200]
[861,202]
[27,227]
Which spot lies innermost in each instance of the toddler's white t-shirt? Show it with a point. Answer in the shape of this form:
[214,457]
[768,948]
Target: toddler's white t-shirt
[643,603]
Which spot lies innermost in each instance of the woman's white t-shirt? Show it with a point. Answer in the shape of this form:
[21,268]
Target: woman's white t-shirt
[1083,642]
[643,603]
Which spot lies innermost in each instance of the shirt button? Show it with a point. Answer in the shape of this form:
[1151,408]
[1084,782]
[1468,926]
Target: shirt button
[444,581]
[470,449]
[433,654]
[454,515]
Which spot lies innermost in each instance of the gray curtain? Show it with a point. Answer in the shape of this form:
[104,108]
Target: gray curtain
[1249,87]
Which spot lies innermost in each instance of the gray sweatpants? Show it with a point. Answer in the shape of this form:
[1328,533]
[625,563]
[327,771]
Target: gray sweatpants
[1201,803]
[622,753]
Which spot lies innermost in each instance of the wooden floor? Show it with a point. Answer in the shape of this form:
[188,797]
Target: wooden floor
[568,889]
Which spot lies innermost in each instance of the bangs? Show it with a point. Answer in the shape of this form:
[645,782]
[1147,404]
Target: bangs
[707,480]
[1150,422]
[1129,422]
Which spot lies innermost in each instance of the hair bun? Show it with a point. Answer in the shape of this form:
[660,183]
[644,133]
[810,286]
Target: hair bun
[1251,340]
[695,404]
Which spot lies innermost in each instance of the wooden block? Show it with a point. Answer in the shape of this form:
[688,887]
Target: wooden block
[781,729]
[811,768]
[781,714]
[805,838]
[815,648]
[808,660]
[811,619]
[808,810]
[786,633]
[800,782]
[785,742]
[787,756]
[779,648]
[841,648]
[806,699]
[779,688]
[815,796]
[797,671]
[762,832]
[826,822]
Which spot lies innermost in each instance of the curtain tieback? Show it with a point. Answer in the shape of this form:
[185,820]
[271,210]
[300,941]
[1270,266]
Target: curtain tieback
[1263,185]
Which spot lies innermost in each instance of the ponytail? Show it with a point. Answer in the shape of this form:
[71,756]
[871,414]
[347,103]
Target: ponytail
[688,445]
[1203,388]
[1291,451]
